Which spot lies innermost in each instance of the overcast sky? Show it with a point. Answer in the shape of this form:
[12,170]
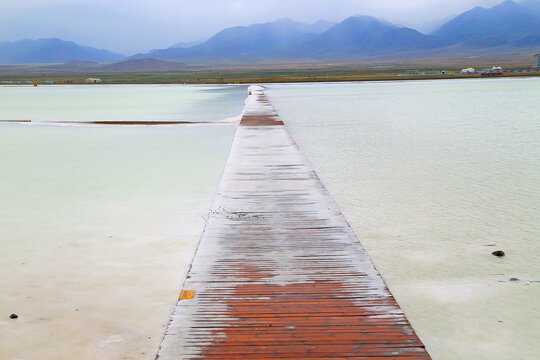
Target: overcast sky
[130,26]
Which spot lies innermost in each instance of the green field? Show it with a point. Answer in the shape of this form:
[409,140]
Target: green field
[261,74]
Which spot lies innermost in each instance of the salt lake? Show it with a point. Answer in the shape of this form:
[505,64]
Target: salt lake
[98,224]
[434,176]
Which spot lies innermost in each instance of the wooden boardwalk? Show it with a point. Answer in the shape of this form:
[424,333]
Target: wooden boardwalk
[278,273]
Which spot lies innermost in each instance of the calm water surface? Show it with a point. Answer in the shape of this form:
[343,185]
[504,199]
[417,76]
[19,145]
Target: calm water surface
[434,176]
[98,225]
[121,102]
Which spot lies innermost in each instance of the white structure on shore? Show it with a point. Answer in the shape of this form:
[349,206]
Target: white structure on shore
[94,81]
[468,71]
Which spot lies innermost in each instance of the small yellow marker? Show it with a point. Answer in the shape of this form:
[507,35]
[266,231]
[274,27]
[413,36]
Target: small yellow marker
[187,295]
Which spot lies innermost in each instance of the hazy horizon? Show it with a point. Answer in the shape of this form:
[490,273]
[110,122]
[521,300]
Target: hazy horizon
[135,26]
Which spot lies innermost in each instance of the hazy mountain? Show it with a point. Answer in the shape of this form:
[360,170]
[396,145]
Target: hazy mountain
[495,26]
[529,41]
[382,21]
[259,40]
[531,4]
[429,27]
[352,32]
[316,28]
[508,25]
[51,51]
[364,35]
[188,44]
[286,39]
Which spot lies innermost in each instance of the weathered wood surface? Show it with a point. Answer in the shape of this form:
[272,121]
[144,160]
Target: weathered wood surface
[279,274]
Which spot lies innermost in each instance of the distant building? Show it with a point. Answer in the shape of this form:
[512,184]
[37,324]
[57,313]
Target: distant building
[468,71]
[494,71]
[536,61]
[94,81]
[443,72]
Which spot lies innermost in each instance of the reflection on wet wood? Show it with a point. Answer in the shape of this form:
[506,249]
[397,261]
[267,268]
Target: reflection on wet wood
[279,274]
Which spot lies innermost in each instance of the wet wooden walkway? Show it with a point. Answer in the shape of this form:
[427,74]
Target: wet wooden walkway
[278,273]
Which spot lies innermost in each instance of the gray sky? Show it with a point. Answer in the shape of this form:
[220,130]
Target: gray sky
[130,26]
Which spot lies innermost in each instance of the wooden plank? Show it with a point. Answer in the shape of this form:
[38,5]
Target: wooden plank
[279,274]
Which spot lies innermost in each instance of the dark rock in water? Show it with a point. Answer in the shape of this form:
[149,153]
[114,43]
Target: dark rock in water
[514,279]
[13,316]
[498,253]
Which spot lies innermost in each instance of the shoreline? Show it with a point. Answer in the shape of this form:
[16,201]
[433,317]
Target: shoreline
[263,76]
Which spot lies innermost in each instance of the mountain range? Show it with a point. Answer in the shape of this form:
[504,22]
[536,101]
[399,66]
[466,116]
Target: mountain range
[509,25]
[288,39]
[500,25]
[259,41]
[51,51]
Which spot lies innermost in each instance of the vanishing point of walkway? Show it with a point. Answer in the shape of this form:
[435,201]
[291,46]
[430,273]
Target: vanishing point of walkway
[279,274]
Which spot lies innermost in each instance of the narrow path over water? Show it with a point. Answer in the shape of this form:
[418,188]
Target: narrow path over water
[279,274]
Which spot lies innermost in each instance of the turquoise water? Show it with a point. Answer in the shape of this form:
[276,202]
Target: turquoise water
[434,176]
[121,102]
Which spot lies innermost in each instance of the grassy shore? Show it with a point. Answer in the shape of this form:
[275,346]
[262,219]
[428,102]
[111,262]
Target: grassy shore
[233,75]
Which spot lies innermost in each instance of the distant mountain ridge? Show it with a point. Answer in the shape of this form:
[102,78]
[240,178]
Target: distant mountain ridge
[285,39]
[531,4]
[255,40]
[365,35]
[502,24]
[429,27]
[187,44]
[508,24]
[51,51]
[507,27]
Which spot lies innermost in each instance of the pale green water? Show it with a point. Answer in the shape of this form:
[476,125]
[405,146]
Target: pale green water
[121,102]
[429,173]
[98,226]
